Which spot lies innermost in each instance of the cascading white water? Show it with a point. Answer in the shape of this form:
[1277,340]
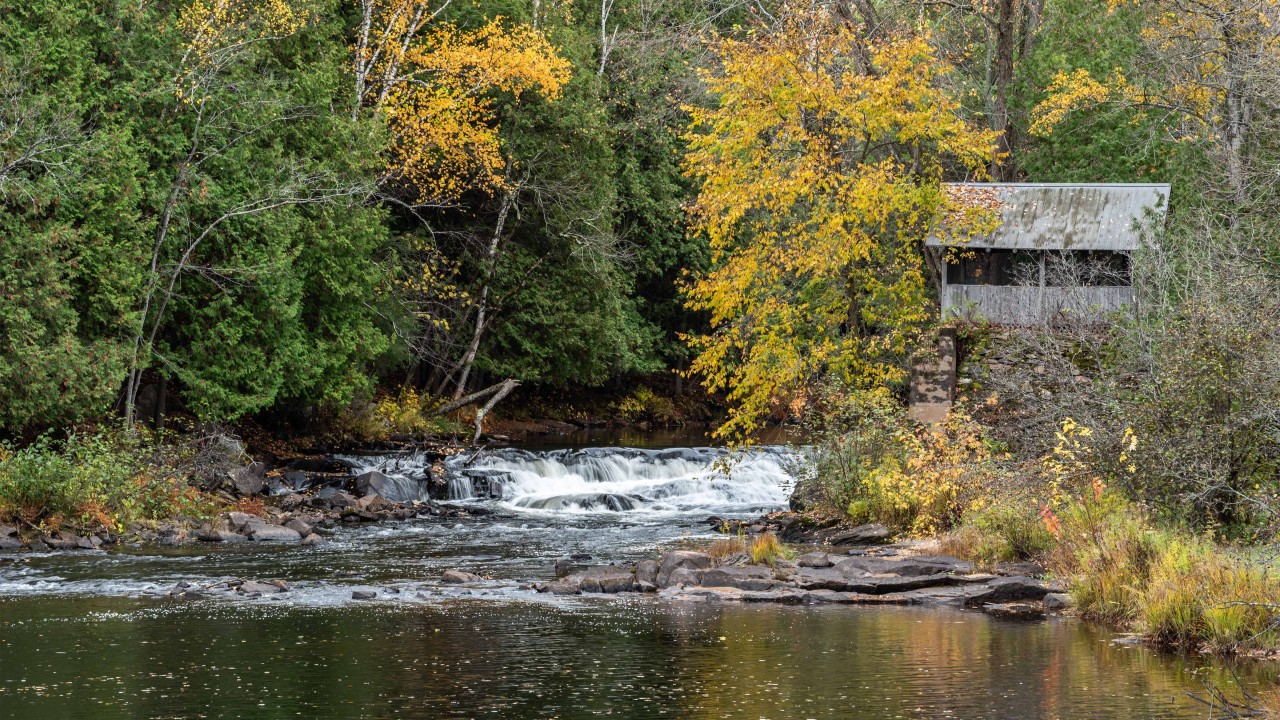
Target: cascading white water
[682,480]
[628,480]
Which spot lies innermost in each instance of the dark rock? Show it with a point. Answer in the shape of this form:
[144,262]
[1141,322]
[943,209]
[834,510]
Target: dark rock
[8,531]
[861,535]
[323,465]
[248,480]
[297,480]
[342,501]
[458,576]
[1005,589]
[675,559]
[273,533]
[1057,601]
[312,539]
[10,543]
[647,572]
[363,594]
[393,489]
[38,546]
[563,567]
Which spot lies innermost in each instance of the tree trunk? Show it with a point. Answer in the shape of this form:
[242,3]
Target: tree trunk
[504,388]
[1004,169]
[482,307]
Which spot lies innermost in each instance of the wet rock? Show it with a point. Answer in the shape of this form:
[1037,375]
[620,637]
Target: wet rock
[686,576]
[1057,602]
[1015,609]
[363,595]
[604,579]
[250,587]
[647,572]
[312,539]
[645,587]
[676,559]
[458,576]
[63,541]
[273,533]
[224,536]
[563,567]
[38,546]
[560,587]
[10,543]
[814,560]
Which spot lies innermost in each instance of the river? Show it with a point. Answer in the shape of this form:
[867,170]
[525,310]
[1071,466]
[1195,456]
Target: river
[95,635]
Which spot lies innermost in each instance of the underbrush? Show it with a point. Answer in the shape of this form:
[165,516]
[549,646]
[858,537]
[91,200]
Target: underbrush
[404,414]
[875,465]
[1006,532]
[101,480]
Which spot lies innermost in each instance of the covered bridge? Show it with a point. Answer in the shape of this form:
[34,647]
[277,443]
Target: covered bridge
[1060,249]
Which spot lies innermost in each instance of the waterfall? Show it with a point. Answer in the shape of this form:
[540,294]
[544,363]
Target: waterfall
[702,480]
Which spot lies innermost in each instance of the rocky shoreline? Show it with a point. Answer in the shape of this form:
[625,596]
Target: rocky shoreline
[882,575]
[297,504]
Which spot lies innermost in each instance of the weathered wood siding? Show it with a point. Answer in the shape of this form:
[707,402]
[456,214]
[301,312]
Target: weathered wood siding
[1024,305]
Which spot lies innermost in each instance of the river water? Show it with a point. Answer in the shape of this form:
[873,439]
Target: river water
[94,635]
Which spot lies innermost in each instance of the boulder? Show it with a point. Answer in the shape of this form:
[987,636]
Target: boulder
[604,579]
[248,480]
[312,539]
[363,594]
[239,521]
[454,577]
[299,527]
[647,572]
[273,533]
[560,587]
[8,542]
[686,576]
[225,536]
[8,531]
[250,587]
[396,490]
[676,559]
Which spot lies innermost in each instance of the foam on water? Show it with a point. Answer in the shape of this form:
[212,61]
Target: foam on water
[628,480]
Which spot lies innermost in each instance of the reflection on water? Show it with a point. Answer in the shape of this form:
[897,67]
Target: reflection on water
[106,658]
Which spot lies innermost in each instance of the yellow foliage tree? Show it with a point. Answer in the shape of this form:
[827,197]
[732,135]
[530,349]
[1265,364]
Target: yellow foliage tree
[435,85]
[819,171]
[1214,65]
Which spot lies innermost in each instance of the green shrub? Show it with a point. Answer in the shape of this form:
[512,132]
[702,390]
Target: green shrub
[103,480]
[1000,533]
